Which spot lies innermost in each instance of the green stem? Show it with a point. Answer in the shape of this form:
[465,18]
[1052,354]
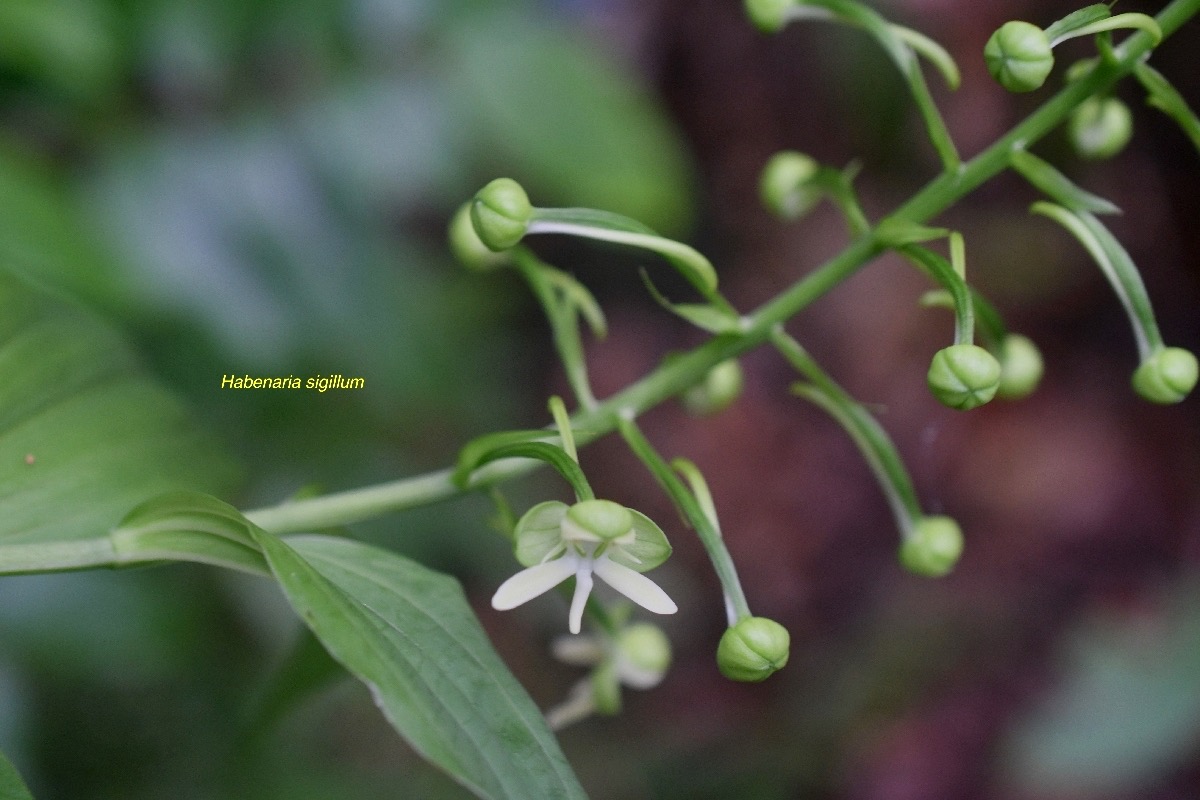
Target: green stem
[691,509]
[680,373]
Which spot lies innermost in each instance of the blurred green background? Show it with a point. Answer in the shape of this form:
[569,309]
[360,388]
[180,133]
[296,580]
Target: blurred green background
[262,187]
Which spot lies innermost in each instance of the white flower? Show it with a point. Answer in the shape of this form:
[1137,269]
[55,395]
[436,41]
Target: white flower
[592,537]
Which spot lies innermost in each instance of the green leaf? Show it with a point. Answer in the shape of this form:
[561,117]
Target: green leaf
[704,316]
[408,633]
[1117,266]
[1057,186]
[609,227]
[475,452]
[898,232]
[84,435]
[1066,27]
[1164,97]
[11,785]
[189,526]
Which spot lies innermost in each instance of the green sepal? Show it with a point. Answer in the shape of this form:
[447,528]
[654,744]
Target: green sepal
[932,547]
[538,533]
[1163,96]
[1167,376]
[964,376]
[648,549]
[753,649]
[1058,186]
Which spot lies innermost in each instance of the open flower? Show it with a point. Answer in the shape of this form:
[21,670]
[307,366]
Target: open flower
[593,537]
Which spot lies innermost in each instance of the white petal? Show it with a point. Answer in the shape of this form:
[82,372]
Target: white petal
[637,587]
[583,587]
[532,581]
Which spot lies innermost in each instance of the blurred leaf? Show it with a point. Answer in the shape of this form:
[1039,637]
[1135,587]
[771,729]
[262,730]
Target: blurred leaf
[66,43]
[1126,709]
[84,435]
[567,122]
[409,634]
[11,785]
[43,233]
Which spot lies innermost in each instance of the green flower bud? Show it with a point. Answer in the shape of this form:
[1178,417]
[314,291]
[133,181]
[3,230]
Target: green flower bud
[1167,376]
[786,186]
[643,654]
[964,376]
[1020,367]
[1100,127]
[720,387]
[598,519]
[1018,56]
[465,244]
[768,15]
[501,213]
[753,649]
[933,547]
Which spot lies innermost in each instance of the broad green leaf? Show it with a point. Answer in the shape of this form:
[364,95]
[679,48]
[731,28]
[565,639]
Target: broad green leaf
[408,633]
[11,785]
[1057,186]
[1164,97]
[84,435]
[565,120]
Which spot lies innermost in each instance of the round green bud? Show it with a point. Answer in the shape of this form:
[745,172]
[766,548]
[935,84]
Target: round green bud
[964,376]
[786,185]
[1100,127]
[720,387]
[501,214]
[643,654]
[933,547]
[1018,56]
[753,649]
[1020,367]
[1168,376]
[603,519]
[465,244]
[768,15]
